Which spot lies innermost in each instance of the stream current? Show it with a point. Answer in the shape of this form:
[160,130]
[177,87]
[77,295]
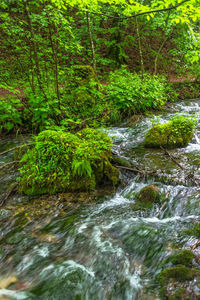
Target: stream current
[104,250]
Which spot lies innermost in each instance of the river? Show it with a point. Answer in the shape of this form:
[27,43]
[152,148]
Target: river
[105,249]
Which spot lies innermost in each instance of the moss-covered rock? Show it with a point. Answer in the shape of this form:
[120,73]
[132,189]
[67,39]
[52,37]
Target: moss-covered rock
[178,273]
[147,196]
[83,74]
[120,161]
[182,257]
[176,133]
[61,162]
[195,231]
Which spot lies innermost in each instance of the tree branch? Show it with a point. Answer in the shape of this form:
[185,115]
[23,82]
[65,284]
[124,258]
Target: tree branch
[137,171]
[9,150]
[140,14]
[8,164]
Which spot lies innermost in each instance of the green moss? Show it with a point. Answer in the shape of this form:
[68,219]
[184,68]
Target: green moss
[182,257]
[176,133]
[20,151]
[147,196]
[178,273]
[111,172]
[120,161]
[83,73]
[62,161]
[195,231]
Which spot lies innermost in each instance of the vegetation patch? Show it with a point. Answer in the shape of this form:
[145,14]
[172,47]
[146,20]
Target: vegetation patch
[131,93]
[62,161]
[10,117]
[187,89]
[176,133]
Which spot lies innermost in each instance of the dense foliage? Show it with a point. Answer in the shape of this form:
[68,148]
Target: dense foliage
[61,161]
[10,117]
[47,47]
[131,93]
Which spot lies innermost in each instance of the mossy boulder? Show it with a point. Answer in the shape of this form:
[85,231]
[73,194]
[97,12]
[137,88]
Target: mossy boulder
[177,273]
[182,257]
[61,162]
[147,196]
[176,133]
[82,74]
[120,161]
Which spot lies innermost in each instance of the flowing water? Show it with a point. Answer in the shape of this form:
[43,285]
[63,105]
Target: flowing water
[103,250]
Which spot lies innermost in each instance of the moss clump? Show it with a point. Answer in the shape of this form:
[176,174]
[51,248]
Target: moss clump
[176,133]
[147,196]
[83,74]
[195,231]
[182,257]
[61,162]
[120,161]
[178,273]
[111,172]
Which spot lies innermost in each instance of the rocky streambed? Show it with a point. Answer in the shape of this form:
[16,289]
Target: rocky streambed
[75,246]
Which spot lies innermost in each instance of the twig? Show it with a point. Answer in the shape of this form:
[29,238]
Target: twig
[161,208]
[195,180]
[9,194]
[7,164]
[197,244]
[136,171]
[172,158]
[4,152]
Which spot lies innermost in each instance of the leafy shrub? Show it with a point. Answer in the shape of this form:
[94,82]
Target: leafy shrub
[10,117]
[66,162]
[40,113]
[129,93]
[88,103]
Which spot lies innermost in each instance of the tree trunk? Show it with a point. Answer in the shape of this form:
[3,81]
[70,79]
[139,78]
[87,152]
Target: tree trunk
[35,54]
[140,48]
[92,45]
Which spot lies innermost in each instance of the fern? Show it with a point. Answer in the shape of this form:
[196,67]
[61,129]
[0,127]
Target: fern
[81,168]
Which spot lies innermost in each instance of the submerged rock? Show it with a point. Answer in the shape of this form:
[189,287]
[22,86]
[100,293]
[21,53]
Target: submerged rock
[120,161]
[176,133]
[147,196]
